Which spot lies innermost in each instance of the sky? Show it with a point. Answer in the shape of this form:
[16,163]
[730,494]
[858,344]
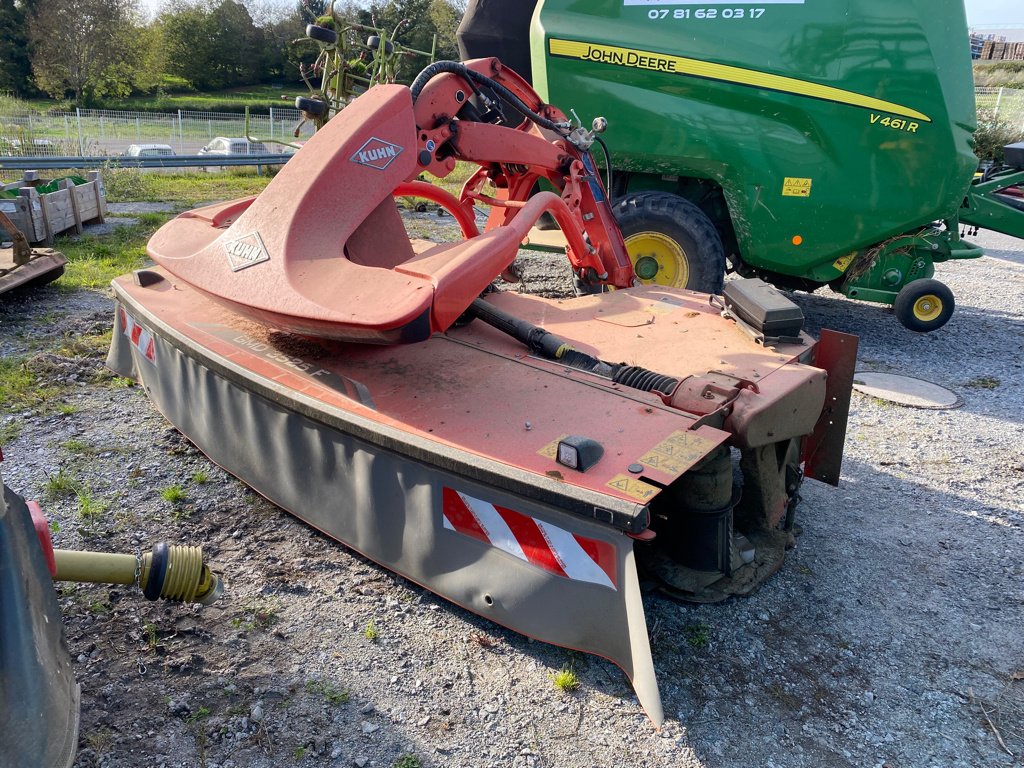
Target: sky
[995,11]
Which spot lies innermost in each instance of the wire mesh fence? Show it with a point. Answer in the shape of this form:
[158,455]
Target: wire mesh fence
[101,132]
[1003,104]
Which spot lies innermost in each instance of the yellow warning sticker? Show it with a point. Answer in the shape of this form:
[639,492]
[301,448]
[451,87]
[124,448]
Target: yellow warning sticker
[793,187]
[843,262]
[636,489]
[677,453]
[550,450]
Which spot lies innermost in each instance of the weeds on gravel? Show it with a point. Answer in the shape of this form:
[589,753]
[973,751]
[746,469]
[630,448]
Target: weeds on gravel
[9,432]
[89,507]
[19,387]
[66,409]
[328,690]
[371,633]
[81,447]
[59,485]
[100,741]
[200,714]
[201,477]
[407,761]
[85,346]
[258,613]
[983,382]
[698,634]
[173,494]
[150,631]
[565,680]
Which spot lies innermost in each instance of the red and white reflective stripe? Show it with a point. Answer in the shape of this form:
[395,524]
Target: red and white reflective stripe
[534,541]
[139,336]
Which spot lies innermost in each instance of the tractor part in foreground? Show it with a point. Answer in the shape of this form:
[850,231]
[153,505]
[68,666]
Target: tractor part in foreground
[21,264]
[39,696]
[520,456]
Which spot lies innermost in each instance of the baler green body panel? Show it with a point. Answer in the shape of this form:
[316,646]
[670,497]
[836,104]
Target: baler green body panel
[834,124]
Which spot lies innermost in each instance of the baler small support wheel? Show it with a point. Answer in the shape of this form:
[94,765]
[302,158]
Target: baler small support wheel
[671,242]
[924,305]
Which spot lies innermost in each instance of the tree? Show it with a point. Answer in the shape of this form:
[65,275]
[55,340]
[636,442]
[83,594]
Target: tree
[15,64]
[86,48]
[215,45]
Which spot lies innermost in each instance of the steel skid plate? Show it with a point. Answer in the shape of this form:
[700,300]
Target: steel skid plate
[437,460]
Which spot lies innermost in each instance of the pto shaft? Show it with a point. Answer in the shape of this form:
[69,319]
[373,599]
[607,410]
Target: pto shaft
[171,572]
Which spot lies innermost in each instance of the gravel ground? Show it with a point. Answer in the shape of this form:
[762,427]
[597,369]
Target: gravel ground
[892,636]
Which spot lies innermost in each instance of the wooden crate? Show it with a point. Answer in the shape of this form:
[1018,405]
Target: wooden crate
[41,217]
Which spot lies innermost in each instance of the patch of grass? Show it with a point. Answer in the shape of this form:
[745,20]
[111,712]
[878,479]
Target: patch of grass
[119,382]
[371,633]
[89,507]
[100,741]
[91,345]
[94,261]
[181,189]
[698,634]
[200,714]
[9,432]
[81,447]
[150,631]
[407,761]
[983,382]
[258,613]
[66,409]
[201,477]
[60,485]
[565,680]
[300,752]
[19,386]
[153,219]
[173,494]
[99,607]
[328,690]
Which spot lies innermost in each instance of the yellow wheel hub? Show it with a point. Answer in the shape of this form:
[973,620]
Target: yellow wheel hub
[658,259]
[927,308]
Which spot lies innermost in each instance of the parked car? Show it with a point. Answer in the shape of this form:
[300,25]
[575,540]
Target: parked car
[226,146]
[149,150]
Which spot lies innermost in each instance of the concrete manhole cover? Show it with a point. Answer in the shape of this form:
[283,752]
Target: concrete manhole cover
[905,390]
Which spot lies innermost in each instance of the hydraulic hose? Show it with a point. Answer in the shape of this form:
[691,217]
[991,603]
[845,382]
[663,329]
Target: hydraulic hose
[552,347]
[475,78]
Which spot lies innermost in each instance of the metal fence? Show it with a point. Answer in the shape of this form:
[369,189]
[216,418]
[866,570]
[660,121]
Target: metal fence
[1006,104]
[101,132]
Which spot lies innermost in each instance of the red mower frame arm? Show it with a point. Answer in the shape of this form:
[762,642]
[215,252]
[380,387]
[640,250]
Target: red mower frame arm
[514,159]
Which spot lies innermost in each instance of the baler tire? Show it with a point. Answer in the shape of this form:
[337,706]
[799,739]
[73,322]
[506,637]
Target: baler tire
[924,305]
[686,248]
[321,34]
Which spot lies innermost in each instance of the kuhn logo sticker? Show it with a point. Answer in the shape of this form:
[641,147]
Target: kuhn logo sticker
[246,251]
[377,153]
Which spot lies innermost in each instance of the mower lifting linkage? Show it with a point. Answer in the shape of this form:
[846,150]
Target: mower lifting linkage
[484,113]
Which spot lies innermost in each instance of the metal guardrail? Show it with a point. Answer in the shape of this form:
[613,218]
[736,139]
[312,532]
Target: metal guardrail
[46,162]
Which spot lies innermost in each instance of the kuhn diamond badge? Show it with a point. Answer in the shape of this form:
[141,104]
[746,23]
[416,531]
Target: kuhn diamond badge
[246,251]
[377,153]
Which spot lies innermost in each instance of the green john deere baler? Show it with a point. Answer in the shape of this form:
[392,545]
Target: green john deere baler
[808,143]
